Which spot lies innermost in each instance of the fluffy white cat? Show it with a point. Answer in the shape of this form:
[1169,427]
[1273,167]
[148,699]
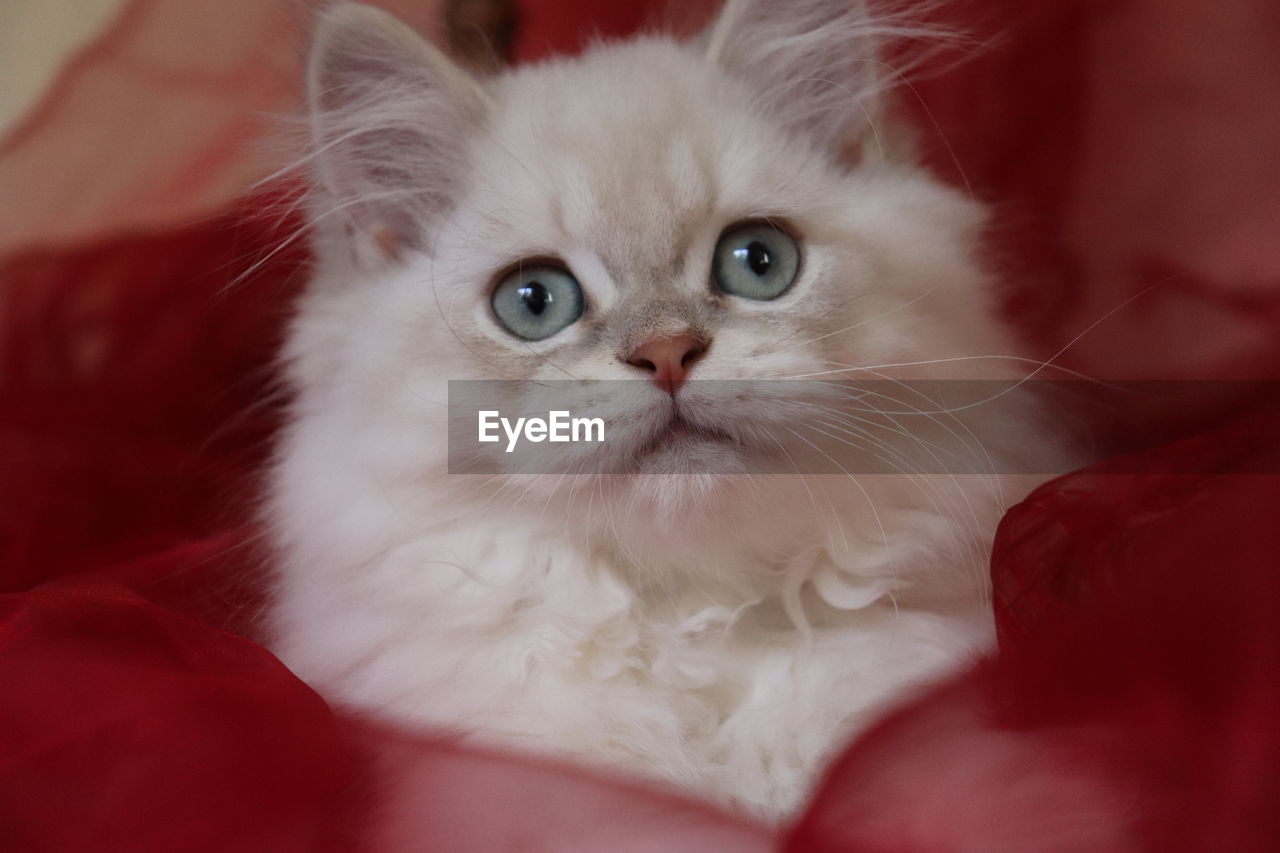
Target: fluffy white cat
[729,208]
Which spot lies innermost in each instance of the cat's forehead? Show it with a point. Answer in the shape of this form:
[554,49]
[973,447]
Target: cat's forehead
[632,150]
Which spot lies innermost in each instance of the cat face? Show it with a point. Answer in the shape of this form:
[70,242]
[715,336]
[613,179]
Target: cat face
[661,207]
[651,211]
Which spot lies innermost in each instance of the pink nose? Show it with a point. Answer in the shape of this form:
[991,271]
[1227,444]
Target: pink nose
[669,359]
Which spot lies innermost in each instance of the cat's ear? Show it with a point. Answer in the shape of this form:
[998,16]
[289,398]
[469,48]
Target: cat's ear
[390,116]
[814,64]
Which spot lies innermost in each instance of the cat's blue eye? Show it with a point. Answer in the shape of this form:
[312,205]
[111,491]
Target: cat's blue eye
[536,301]
[755,260]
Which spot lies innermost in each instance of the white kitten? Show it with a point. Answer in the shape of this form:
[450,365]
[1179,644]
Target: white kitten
[722,632]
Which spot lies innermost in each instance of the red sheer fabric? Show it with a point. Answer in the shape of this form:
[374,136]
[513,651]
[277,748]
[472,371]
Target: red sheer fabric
[1134,700]
[1133,704]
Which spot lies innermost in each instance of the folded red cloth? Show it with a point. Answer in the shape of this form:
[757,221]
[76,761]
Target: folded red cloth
[1135,699]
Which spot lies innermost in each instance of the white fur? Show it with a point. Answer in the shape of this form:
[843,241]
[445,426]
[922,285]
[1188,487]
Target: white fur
[724,633]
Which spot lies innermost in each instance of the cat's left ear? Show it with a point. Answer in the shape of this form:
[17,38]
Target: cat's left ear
[390,117]
[814,64]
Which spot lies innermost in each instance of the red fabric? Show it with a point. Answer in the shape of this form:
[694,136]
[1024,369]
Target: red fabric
[1134,701]
[133,398]
[1125,146]
[126,726]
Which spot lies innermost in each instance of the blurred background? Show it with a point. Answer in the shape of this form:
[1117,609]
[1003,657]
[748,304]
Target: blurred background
[119,115]
[37,36]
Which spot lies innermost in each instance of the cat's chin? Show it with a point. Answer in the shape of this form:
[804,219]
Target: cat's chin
[687,451]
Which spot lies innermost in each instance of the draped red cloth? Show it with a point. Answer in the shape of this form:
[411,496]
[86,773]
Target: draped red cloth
[1133,704]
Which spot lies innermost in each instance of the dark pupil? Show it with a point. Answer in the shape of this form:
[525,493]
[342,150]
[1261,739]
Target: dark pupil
[535,297]
[758,258]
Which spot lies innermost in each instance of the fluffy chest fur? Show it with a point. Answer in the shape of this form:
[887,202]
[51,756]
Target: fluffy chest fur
[508,631]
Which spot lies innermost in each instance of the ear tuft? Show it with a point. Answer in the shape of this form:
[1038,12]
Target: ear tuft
[389,117]
[818,65]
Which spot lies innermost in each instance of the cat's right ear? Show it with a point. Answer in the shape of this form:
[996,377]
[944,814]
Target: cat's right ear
[390,116]
[815,64]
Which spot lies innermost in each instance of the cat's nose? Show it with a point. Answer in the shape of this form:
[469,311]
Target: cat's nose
[669,359]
